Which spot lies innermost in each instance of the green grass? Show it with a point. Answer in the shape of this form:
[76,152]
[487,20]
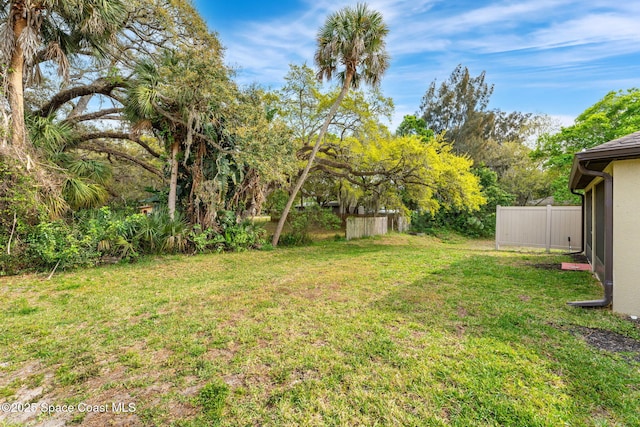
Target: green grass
[400,330]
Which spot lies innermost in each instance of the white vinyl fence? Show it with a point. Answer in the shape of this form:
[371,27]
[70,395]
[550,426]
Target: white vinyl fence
[549,227]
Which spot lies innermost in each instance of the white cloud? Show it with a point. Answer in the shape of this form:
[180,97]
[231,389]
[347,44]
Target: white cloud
[507,27]
[545,44]
[589,29]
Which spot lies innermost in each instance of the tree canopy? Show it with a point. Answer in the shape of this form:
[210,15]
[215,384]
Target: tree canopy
[458,109]
[354,39]
[617,114]
[361,163]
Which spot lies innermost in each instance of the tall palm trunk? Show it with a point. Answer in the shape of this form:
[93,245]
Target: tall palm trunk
[173,183]
[16,90]
[303,177]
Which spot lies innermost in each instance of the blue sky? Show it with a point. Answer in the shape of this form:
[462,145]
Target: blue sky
[554,57]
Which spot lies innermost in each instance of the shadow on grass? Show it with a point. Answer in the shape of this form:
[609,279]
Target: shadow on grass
[504,361]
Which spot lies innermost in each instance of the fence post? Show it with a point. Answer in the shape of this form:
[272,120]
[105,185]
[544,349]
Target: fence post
[548,237]
[498,227]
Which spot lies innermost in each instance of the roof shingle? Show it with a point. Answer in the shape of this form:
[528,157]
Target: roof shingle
[597,158]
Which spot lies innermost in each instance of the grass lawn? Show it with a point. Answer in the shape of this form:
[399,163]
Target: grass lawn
[400,330]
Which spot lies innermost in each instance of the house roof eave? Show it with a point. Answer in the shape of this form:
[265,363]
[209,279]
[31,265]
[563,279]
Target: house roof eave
[598,158]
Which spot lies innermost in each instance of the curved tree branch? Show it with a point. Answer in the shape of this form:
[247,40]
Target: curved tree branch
[100,86]
[94,115]
[99,148]
[117,135]
[351,177]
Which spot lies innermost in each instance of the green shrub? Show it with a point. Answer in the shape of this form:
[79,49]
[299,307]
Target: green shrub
[20,208]
[93,236]
[201,239]
[481,223]
[158,233]
[58,243]
[174,233]
[302,222]
[230,235]
[112,233]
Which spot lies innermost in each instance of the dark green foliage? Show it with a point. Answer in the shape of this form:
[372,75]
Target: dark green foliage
[103,235]
[20,208]
[457,108]
[276,202]
[614,116]
[301,223]
[481,223]
[230,235]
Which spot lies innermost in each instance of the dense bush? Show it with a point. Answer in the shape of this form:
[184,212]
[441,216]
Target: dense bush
[20,209]
[230,235]
[57,243]
[276,202]
[302,222]
[480,223]
[102,235]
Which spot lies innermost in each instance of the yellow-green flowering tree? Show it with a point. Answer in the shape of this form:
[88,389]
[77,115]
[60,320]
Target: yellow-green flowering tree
[404,173]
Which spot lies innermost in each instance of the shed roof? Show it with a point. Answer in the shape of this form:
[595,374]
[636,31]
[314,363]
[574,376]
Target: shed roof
[597,158]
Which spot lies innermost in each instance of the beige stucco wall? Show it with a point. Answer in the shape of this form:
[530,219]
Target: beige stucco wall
[626,236]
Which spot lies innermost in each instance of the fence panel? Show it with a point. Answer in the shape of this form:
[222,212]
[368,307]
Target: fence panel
[365,226]
[397,223]
[549,227]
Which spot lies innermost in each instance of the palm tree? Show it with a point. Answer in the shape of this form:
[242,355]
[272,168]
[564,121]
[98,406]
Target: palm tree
[181,99]
[36,31]
[352,38]
[143,109]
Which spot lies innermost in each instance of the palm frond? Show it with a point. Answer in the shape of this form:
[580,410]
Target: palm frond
[55,205]
[94,170]
[355,38]
[4,8]
[80,194]
[7,42]
[29,42]
[48,135]
[53,52]
[143,93]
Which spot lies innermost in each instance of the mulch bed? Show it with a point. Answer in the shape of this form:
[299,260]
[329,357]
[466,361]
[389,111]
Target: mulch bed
[608,340]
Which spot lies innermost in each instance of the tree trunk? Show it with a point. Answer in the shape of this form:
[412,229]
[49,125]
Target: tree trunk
[15,91]
[312,156]
[173,184]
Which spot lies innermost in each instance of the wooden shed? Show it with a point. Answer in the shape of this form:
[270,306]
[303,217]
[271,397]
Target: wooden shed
[609,176]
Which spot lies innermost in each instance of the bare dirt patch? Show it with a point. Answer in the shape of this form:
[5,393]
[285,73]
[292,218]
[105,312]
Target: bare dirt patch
[547,266]
[577,258]
[608,340]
